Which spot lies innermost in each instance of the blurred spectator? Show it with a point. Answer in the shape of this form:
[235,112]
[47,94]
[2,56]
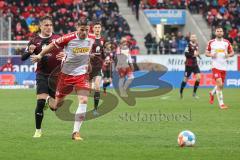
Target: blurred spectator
[33,27]
[30,19]
[154,46]
[161,46]
[148,42]
[181,43]
[136,4]
[8,67]
[173,45]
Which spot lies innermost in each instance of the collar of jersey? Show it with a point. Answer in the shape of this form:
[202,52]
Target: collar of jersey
[45,37]
[218,40]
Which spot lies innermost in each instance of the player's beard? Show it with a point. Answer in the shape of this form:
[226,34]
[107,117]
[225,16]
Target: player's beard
[97,34]
[193,41]
[219,36]
[83,36]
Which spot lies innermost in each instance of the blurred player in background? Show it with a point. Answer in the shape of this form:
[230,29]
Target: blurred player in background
[109,51]
[74,72]
[96,62]
[44,67]
[191,65]
[124,67]
[219,49]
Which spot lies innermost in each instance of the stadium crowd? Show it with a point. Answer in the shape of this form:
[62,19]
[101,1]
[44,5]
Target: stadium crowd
[221,12]
[65,13]
[169,44]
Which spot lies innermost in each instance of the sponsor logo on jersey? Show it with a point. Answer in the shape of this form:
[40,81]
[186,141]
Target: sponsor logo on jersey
[81,50]
[98,48]
[219,50]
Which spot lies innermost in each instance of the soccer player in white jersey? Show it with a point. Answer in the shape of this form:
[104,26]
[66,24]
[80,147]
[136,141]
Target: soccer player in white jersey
[74,73]
[124,67]
[219,49]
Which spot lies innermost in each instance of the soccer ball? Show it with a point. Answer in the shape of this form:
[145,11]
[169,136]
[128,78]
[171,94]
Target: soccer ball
[186,139]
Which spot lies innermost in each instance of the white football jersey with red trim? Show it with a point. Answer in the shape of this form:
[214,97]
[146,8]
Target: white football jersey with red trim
[221,49]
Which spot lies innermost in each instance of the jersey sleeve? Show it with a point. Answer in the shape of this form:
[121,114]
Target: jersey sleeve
[63,41]
[29,43]
[26,53]
[209,46]
[230,48]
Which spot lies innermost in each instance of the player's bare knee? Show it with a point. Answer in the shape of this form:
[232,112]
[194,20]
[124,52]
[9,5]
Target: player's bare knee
[97,87]
[198,77]
[219,84]
[42,96]
[57,105]
[185,79]
[83,100]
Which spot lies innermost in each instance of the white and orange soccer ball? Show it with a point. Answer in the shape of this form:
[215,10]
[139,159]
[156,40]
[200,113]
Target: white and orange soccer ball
[186,139]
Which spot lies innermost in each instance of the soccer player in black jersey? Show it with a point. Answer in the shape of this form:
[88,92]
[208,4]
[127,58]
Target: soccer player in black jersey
[96,61]
[44,68]
[191,66]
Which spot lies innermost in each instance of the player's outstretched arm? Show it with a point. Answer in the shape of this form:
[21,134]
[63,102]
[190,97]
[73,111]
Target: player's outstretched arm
[47,49]
[28,52]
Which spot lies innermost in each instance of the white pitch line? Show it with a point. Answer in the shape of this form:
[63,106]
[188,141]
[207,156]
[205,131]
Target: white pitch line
[165,97]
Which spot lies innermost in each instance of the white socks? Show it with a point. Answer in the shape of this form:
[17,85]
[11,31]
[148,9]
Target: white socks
[220,97]
[79,117]
[120,83]
[127,83]
[214,90]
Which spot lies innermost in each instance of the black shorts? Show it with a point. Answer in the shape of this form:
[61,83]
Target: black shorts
[95,72]
[189,70]
[107,74]
[43,86]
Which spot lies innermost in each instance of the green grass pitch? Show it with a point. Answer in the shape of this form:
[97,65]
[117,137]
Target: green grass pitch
[117,136]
